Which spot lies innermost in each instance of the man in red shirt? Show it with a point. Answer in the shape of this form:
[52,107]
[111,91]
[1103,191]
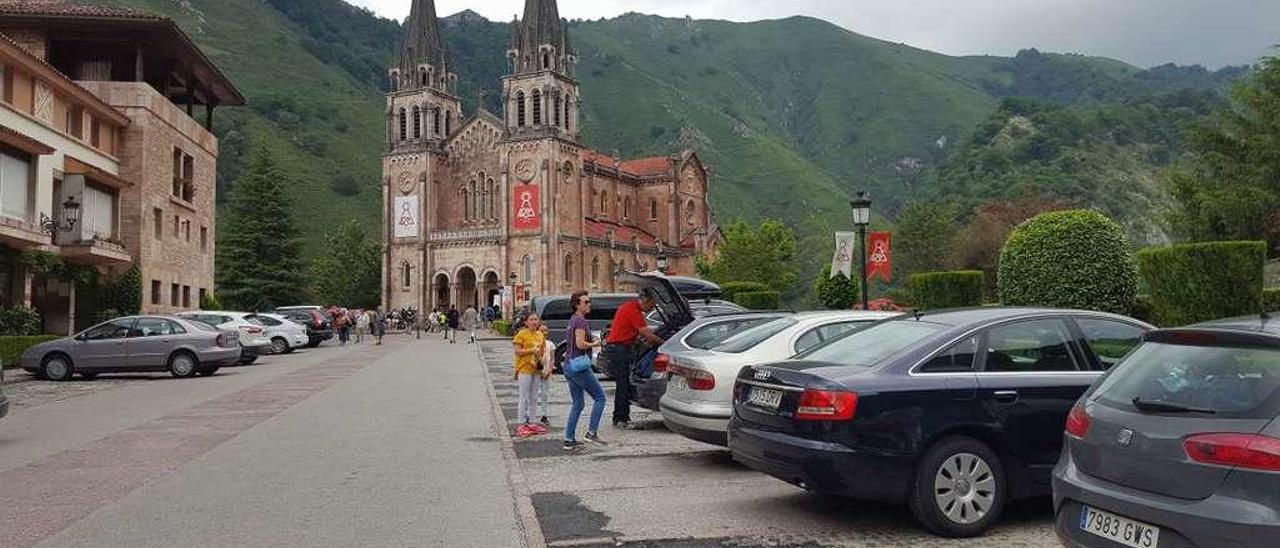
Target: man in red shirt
[627,329]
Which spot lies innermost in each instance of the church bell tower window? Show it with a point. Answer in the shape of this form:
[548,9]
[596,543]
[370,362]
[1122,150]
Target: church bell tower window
[404,125]
[520,109]
[537,107]
[417,123]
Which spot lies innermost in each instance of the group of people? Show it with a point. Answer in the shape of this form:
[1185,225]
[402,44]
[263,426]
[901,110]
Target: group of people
[630,338]
[363,322]
[449,321]
[375,322]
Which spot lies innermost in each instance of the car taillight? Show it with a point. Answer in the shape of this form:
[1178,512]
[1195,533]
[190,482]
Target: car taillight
[660,363]
[695,379]
[1078,422]
[1250,451]
[251,329]
[826,405]
[221,339]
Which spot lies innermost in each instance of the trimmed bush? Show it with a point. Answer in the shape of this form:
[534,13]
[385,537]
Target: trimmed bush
[934,290]
[1068,259]
[730,290]
[759,300]
[11,348]
[1199,282]
[1271,299]
[835,293]
[19,322]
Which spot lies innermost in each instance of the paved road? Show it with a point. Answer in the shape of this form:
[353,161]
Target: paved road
[386,446]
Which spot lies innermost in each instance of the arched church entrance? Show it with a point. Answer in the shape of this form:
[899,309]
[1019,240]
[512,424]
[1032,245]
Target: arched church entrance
[467,290]
[440,290]
[492,288]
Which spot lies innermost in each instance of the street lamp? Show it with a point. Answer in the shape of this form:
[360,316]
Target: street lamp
[861,218]
[64,220]
[662,261]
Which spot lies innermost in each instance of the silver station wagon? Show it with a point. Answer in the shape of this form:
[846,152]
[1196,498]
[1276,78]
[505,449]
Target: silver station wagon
[184,348]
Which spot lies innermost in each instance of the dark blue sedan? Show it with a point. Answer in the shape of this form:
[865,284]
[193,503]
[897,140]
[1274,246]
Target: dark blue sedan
[953,412]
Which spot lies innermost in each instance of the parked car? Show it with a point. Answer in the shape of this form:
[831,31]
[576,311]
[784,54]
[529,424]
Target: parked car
[318,323]
[181,346]
[699,397]
[285,334]
[954,412]
[1180,445]
[703,333]
[253,335]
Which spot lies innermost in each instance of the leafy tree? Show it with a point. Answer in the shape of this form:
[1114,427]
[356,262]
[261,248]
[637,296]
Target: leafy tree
[979,243]
[210,302]
[766,254]
[835,293]
[1231,188]
[350,271]
[258,247]
[924,238]
[124,294]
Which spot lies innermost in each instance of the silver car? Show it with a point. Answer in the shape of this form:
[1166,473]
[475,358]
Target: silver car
[182,347]
[1179,444]
[699,398]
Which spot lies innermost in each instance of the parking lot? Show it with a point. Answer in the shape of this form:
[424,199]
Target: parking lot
[650,487]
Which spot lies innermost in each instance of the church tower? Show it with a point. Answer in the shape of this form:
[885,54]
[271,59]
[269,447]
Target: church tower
[421,107]
[541,93]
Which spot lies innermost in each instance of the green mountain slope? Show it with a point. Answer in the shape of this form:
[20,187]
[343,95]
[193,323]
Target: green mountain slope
[792,115]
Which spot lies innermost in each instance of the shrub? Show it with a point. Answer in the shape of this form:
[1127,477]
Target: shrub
[1068,259]
[759,300]
[210,302]
[835,293]
[729,290]
[933,290]
[11,348]
[1205,281]
[1144,309]
[502,327]
[1271,299]
[19,322]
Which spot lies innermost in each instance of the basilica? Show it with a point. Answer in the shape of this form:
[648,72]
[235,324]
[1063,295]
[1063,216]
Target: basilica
[499,207]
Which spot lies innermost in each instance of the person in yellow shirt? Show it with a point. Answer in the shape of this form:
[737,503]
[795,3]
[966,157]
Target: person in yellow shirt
[529,343]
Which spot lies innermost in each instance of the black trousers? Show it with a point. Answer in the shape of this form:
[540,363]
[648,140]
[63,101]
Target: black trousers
[620,358]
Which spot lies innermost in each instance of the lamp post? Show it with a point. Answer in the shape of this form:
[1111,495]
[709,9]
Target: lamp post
[662,261]
[63,220]
[861,218]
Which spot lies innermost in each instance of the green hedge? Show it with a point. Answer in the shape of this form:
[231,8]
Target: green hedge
[11,348]
[730,290]
[935,290]
[759,300]
[502,327]
[1069,259]
[1271,299]
[1198,282]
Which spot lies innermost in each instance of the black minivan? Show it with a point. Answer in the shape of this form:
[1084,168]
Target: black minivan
[952,412]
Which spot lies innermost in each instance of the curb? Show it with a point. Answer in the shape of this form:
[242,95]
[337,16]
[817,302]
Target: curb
[526,517]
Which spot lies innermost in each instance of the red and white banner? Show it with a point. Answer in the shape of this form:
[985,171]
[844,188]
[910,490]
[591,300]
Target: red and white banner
[525,214]
[879,255]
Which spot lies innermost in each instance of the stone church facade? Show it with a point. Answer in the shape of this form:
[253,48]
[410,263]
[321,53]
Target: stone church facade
[478,204]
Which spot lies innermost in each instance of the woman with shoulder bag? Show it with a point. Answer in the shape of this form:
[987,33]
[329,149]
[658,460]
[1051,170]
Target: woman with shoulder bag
[580,375]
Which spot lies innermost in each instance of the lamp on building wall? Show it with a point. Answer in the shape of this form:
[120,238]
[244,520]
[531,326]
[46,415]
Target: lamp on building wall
[861,218]
[63,220]
[662,261]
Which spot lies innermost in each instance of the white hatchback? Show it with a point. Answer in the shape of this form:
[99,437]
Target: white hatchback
[699,399]
[285,334]
[253,335]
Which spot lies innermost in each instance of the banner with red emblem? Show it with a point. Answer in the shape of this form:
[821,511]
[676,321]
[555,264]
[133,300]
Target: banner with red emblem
[879,255]
[525,214]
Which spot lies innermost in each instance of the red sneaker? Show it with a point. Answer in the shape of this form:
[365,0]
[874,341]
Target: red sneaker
[524,431]
[538,428]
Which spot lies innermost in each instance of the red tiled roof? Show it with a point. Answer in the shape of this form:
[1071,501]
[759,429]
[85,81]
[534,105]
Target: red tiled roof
[647,167]
[59,8]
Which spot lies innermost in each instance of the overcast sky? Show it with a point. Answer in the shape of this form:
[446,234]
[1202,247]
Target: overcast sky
[1143,32]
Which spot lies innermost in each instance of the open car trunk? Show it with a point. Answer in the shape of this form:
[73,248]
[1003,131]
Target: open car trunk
[671,305]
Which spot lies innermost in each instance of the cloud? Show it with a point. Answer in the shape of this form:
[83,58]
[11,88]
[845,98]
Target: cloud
[1143,32]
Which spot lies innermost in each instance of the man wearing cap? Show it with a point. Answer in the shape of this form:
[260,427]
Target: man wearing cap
[628,328]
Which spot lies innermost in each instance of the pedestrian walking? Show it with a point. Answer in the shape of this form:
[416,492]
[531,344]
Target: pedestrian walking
[453,320]
[627,330]
[580,375]
[378,325]
[342,323]
[469,319]
[362,325]
[528,343]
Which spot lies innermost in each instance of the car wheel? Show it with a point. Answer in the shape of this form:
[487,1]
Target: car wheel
[279,346]
[183,365]
[959,488]
[88,376]
[208,371]
[57,367]
[249,360]
[313,344]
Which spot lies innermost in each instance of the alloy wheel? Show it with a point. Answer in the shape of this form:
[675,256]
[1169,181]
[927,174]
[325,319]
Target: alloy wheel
[279,346]
[182,365]
[57,368]
[964,488]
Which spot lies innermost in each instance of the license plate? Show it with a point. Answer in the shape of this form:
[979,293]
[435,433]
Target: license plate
[765,397]
[1118,528]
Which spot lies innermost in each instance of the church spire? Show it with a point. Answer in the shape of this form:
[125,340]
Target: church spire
[539,40]
[423,62]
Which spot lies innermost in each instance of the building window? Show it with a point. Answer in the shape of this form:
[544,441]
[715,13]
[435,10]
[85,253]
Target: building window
[201,295]
[604,202]
[546,60]
[204,239]
[626,208]
[173,294]
[435,121]
[653,209]
[537,107]
[98,215]
[406,274]
[158,222]
[15,185]
[557,109]
[183,175]
[567,102]
[404,124]
[155,292]
[595,271]
[186,231]
[177,223]
[186,296]
[448,122]
[520,108]
[527,262]
[95,132]
[568,269]
[417,123]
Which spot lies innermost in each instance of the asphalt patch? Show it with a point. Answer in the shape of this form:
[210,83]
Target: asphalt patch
[564,517]
[539,448]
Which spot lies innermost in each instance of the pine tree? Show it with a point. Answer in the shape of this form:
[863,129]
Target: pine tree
[259,264]
[350,271]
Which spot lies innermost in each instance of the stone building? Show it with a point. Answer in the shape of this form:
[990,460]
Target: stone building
[517,200]
[101,103]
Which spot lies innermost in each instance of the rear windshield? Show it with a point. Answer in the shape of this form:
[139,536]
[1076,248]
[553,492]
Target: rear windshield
[557,309]
[1232,382]
[203,326]
[872,345]
[714,333]
[746,340]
